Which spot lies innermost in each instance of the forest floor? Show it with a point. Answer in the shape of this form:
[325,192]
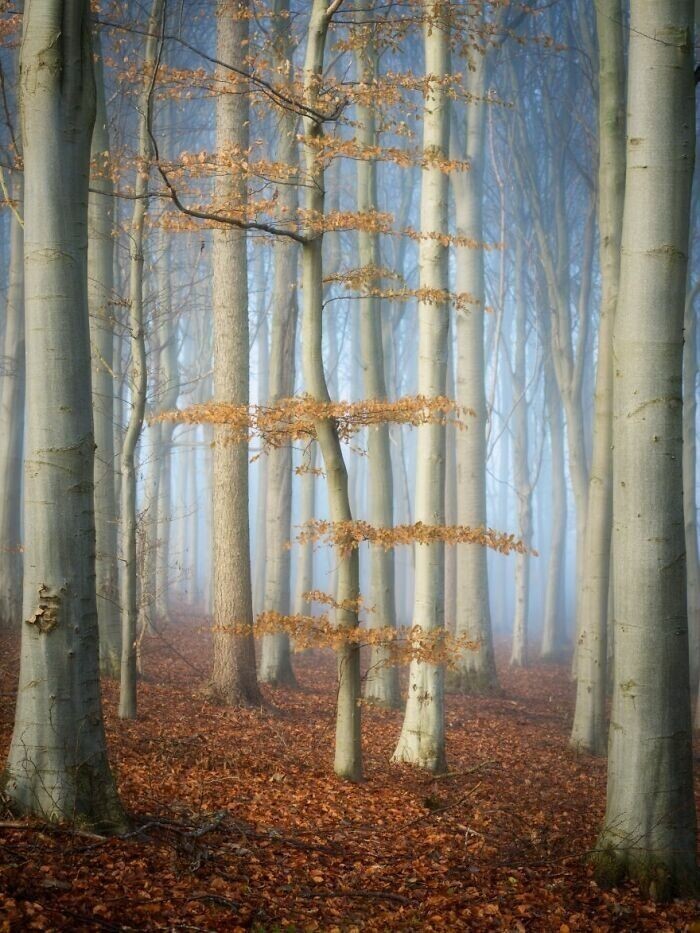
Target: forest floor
[241,825]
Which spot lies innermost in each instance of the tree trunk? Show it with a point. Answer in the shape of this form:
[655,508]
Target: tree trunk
[348,748]
[649,832]
[275,662]
[382,681]
[554,622]
[690,372]
[12,432]
[589,728]
[138,383]
[101,304]
[259,563]
[422,740]
[477,667]
[57,767]
[233,678]
[521,472]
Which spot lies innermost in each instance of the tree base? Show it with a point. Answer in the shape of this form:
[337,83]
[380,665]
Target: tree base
[233,695]
[473,683]
[279,677]
[658,879]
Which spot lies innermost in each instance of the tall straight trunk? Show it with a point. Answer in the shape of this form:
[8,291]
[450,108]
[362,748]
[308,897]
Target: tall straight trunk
[137,380]
[307,509]
[101,305]
[422,739]
[169,387]
[57,767]
[690,372]
[477,667]
[521,471]
[348,747]
[12,421]
[259,563]
[382,681]
[589,730]
[650,826]
[275,662]
[233,677]
[451,501]
[554,621]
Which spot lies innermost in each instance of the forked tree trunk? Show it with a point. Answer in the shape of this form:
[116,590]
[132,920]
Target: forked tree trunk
[589,728]
[101,304]
[57,767]
[138,383]
[422,739]
[649,833]
[348,747]
[382,681]
[275,661]
[476,672]
[233,678]
[12,428]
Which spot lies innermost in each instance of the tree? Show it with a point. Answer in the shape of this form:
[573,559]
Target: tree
[477,667]
[233,677]
[348,747]
[422,739]
[649,831]
[275,662]
[12,421]
[589,730]
[138,376]
[57,767]
[382,683]
[101,305]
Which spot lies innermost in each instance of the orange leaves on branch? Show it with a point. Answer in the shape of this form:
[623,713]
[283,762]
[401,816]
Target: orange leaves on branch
[402,645]
[348,535]
[296,418]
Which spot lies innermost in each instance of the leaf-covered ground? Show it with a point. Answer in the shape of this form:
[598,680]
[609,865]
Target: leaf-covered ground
[239,823]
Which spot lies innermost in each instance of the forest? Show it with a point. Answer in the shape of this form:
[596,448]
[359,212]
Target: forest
[349,563]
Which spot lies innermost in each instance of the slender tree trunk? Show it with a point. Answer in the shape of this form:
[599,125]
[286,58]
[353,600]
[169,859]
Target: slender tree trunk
[521,472]
[307,510]
[554,622]
[477,667]
[138,384]
[382,681]
[57,767]
[259,562]
[348,748]
[422,739]
[589,730]
[275,663]
[12,432]
[650,826]
[233,678]
[101,304]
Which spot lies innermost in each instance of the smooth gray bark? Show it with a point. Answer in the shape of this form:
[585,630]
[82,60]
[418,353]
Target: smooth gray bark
[275,661]
[128,588]
[422,739]
[348,747]
[12,428]
[650,825]
[382,681]
[57,767]
[589,728]
[101,305]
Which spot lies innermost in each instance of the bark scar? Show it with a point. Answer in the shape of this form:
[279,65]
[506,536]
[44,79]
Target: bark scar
[46,616]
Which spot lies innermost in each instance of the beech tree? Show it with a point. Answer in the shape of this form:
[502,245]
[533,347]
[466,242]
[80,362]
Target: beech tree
[649,832]
[422,739]
[57,767]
